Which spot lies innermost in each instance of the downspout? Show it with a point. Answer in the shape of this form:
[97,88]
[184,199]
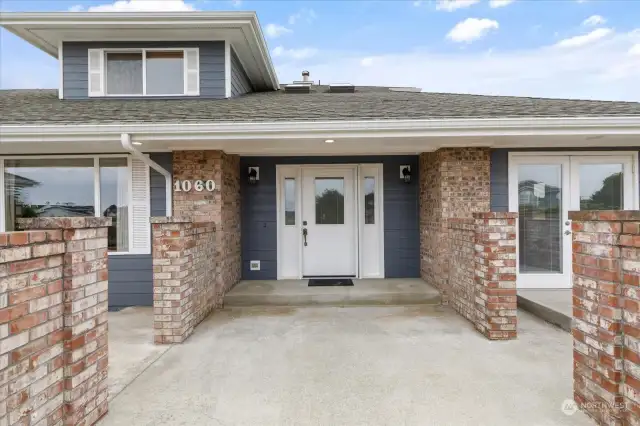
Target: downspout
[125,139]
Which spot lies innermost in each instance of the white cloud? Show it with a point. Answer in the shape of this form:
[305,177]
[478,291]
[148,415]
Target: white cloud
[471,29]
[537,71]
[366,62]
[275,30]
[144,6]
[594,20]
[451,5]
[302,53]
[635,50]
[303,15]
[417,3]
[236,3]
[500,3]
[76,8]
[585,39]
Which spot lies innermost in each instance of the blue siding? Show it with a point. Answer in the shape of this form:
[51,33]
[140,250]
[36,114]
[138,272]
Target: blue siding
[401,227]
[76,63]
[131,276]
[240,83]
[500,171]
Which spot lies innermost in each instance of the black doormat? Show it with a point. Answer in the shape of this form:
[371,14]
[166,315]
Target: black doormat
[320,282]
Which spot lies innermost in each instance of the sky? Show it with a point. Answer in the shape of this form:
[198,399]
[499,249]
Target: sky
[579,49]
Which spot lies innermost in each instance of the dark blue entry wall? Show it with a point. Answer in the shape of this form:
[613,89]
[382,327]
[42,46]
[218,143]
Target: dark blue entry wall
[401,227]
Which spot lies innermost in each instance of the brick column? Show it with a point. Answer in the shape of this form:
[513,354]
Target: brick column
[606,327]
[31,328]
[454,183]
[220,207]
[495,274]
[184,288]
[85,310]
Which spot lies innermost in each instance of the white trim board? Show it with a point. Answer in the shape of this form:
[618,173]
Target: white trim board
[446,128]
[289,256]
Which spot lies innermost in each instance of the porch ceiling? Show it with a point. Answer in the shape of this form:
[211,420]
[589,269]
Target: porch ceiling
[315,145]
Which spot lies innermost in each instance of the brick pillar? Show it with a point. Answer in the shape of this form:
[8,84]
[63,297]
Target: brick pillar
[495,274]
[221,207]
[85,310]
[184,286]
[606,327]
[31,328]
[454,183]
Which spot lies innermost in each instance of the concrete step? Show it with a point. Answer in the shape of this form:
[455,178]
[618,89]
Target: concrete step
[553,306]
[365,292]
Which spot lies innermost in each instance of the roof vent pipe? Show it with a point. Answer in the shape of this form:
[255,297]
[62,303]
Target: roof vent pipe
[305,76]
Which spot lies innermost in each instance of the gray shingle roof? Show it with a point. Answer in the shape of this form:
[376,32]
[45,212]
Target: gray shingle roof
[368,103]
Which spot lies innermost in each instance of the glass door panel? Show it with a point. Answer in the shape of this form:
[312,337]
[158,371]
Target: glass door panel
[539,192]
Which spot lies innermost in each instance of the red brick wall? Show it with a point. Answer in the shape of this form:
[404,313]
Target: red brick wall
[53,322]
[606,303]
[221,207]
[454,183]
[482,263]
[184,276]
[462,267]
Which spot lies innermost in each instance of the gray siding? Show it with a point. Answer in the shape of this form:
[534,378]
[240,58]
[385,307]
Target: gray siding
[240,83]
[500,171]
[130,276]
[76,62]
[401,227]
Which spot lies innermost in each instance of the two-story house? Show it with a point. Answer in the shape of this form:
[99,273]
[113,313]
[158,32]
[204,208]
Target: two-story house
[161,114]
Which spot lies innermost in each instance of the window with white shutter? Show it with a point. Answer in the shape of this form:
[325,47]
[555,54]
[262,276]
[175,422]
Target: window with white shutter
[140,208]
[144,72]
[96,72]
[192,72]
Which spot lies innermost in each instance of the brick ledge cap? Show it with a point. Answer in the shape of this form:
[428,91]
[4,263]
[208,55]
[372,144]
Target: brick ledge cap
[64,223]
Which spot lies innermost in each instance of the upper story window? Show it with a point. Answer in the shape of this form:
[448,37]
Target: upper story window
[144,72]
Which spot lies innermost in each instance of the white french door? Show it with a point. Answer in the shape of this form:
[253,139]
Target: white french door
[544,188]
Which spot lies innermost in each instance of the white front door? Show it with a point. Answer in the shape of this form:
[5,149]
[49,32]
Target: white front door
[329,222]
[544,188]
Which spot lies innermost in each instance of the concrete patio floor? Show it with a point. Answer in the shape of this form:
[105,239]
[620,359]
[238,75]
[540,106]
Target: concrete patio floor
[414,365]
[551,305]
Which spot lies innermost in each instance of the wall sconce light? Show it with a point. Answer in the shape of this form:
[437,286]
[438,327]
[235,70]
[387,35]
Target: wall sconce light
[405,174]
[254,175]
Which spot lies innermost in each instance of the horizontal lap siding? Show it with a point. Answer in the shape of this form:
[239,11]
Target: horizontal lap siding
[401,229]
[75,65]
[130,276]
[239,81]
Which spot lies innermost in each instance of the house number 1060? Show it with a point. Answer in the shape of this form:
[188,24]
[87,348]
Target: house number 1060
[198,185]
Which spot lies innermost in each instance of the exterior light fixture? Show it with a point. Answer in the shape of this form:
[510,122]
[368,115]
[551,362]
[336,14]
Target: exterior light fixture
[329,141]
[405,174]
[137,143]
[254,175]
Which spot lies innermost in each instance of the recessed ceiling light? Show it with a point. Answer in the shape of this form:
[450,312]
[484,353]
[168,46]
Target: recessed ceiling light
[137,143]
[329,141]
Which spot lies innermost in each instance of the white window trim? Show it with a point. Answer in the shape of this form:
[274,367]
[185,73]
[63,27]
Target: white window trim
[144,71]
[96,182]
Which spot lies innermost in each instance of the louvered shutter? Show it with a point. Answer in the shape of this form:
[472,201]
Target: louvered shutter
[192,72]
[140,208]
[96,67]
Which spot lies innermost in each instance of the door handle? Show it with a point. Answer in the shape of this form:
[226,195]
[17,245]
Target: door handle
[304,235]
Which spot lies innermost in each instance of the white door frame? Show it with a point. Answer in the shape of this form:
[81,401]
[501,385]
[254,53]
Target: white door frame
[570,161]
[289,237]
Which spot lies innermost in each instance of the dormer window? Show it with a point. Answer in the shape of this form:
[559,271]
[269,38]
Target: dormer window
[144,72]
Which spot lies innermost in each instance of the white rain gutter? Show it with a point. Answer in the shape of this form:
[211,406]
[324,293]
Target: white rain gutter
[318,129]
[125,139]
